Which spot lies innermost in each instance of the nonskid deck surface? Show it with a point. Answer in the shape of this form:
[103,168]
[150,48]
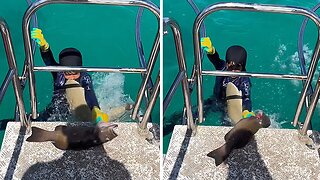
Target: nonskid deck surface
[273,154]
[128,156]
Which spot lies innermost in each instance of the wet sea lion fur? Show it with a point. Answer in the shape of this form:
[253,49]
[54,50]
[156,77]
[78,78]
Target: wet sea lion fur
[239,136]
[75,137]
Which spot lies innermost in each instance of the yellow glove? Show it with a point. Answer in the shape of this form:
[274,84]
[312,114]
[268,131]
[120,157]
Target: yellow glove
[36,34]
[98,115]
[247,114]
[207,45]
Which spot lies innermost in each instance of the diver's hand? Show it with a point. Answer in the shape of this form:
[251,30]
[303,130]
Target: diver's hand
[98,115]
[207,45]
[247,114]
[36,34]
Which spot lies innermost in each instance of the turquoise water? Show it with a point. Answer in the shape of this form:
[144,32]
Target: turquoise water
[271,43]
[104,34]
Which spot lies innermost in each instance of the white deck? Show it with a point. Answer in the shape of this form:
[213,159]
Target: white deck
[274,154]
[128,156]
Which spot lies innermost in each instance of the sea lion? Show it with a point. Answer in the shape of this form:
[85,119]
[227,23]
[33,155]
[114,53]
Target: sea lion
[75,137]
[77,102]
[239,136]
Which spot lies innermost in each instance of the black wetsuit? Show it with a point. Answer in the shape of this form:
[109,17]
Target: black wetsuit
[242,83]
[59,105]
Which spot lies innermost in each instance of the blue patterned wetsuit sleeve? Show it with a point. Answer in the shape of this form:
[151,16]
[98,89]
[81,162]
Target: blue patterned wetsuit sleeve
[48,60]
[246,100]
[90,96]
[218,63]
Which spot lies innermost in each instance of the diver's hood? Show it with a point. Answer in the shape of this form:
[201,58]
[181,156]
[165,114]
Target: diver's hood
[70,57]
[238,55]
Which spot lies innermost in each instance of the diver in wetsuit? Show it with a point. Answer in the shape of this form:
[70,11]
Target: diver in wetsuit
[236,59]
[67,57]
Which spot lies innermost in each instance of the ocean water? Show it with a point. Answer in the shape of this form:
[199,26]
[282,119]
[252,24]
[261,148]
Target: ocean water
[104,34]
[271,42]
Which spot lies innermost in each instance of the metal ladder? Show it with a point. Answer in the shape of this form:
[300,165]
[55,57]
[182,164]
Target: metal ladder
[186,157]
[145,71]
[199,72]
[12,74]
[182,76]
[16,152]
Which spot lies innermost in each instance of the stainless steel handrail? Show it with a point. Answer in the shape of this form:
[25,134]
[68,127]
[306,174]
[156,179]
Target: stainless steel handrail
[150,106]
[28,50]
[150,66]
[312,106]
[182,68]
[256,8]
[89,69]
[5,83]
[256,75]
[172,90]
[142,59]
[14,77]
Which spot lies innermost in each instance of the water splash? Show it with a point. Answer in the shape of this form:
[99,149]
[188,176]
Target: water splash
[295,65]
[290,63]
[57,110]
[278,58]
[274,117]
[287,60]
[109,89]
[307,53]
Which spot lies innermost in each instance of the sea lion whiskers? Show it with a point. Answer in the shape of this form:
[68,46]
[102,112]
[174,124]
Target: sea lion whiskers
[106,130]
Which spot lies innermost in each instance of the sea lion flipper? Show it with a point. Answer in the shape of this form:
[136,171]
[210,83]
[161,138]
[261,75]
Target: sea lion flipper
[40,135]
[60,146]
[219,155]
[60,127]
[226,137]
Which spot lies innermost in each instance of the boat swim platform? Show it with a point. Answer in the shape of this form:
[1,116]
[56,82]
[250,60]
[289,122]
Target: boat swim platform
[128,156]
[273,154]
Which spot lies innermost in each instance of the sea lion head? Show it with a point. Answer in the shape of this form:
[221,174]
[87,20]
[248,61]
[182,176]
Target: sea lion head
[106,131]
[264,120]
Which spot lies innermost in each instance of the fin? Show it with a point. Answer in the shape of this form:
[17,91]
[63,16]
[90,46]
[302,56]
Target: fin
[60,146]
[40,135]
[234,103]
[76,98]
[60,128]
[219,155]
